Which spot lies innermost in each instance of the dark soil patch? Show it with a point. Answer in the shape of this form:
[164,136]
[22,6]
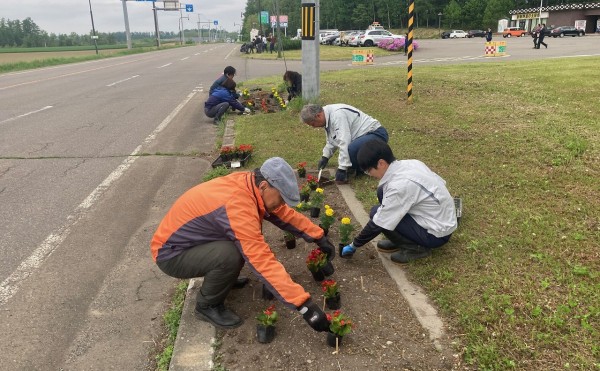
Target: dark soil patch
[386,335]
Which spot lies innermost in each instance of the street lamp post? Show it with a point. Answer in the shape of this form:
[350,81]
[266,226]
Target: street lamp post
[440,23]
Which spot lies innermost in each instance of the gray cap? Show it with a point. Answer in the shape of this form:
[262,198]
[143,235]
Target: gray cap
[281,176]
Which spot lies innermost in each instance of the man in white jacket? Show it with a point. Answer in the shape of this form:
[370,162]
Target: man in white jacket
[416,211]
[347,129]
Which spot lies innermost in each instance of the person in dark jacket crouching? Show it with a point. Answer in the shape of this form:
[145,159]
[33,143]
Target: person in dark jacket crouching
[221,99]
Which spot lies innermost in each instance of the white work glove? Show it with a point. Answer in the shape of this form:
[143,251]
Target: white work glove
[247,110]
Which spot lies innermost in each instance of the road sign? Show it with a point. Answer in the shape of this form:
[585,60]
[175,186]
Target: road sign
[264,17]
[283,21]
[216,23]
[189,8]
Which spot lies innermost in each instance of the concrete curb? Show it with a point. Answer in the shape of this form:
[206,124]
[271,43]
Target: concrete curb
[193,349]
[425,313]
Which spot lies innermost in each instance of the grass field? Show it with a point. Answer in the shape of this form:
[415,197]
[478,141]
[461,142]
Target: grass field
[519,283]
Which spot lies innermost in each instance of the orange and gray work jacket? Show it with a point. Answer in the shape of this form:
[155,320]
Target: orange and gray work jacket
[231,208]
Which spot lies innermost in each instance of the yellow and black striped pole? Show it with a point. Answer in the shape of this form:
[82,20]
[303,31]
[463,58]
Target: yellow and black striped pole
[409,45]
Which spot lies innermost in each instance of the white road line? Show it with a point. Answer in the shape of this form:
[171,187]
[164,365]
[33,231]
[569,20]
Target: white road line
[183,59]
[229,54]
[11,284]
[165,65]
[26,114]
[197,53]
[120,81]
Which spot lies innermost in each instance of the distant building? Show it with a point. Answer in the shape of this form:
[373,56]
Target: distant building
[583,16]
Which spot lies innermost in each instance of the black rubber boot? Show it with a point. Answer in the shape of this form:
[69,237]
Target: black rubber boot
[406,256]
[395,241]
[240,282]
[218,315]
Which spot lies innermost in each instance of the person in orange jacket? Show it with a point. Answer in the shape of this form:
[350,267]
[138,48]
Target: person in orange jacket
[214,228]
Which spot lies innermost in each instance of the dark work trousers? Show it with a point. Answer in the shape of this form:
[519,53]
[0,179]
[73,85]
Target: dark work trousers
[411,230]
[541,41]
[535,40]
[217,111]
[218,262]
[355,145]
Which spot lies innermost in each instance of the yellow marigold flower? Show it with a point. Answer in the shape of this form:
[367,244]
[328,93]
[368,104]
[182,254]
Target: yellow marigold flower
[345,220]
[319,190]
[327,207]
[299,206]
[329,212]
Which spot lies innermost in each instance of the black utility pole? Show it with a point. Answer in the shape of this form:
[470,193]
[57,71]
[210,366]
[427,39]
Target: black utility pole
[93,28]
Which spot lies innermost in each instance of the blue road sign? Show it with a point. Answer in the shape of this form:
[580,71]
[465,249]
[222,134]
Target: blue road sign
[189,8]
[216,23]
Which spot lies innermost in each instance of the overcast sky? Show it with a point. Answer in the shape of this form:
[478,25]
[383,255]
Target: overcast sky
[66,16]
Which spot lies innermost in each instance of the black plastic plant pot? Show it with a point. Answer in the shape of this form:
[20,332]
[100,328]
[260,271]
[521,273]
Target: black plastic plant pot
[290,244]
[315,212]
[331,339]
[266,293]
[334,303]
[328,269]
[318,275]
[266,334]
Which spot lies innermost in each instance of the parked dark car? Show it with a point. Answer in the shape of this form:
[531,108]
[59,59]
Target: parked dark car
[566,31]
[446,35]
[476,33]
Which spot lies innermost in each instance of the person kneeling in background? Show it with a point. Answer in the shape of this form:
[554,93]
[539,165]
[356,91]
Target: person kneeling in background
[221,99]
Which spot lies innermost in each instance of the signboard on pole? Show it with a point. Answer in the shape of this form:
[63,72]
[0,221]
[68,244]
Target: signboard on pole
[283,21]
[216,23]
[171,5]
[264,17]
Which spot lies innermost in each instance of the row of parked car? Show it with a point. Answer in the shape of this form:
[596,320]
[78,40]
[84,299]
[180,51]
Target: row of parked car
[561,31]
[367,38]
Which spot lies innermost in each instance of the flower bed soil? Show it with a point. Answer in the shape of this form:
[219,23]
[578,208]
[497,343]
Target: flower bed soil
[386,335]
[261,101]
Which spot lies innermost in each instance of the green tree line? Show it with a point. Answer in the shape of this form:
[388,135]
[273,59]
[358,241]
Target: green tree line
[25,33]
[392,14]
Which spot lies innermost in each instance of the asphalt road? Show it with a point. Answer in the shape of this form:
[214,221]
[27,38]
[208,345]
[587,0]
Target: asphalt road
[79,204]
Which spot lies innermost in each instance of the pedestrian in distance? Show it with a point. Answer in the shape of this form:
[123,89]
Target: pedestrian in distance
[215,228]
[221,99]
[535,33]
[347,129]
[541,36]
[488,35]
[293,81]
[416,211]
[272,42]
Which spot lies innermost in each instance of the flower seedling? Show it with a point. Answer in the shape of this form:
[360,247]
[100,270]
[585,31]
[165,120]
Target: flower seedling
[340,324]
[316,260]
[268,317]
[327,218]
[346,229]
[330,288]
[317,197]
[302,169]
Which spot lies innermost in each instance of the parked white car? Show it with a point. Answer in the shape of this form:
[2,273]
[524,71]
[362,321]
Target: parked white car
[372,37]
[457,34]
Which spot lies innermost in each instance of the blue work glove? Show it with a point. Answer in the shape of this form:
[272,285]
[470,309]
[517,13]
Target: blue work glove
[347,251]
[323,162]
[341,176]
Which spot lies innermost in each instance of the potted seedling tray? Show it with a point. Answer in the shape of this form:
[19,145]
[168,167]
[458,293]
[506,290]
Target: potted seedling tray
[231,164]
